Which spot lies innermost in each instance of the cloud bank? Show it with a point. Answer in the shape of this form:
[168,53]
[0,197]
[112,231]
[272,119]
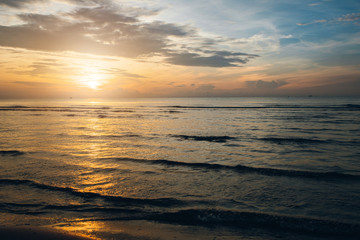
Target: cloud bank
[106,29]
[260,84]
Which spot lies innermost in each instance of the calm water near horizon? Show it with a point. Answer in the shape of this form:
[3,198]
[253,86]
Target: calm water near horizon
[253,166]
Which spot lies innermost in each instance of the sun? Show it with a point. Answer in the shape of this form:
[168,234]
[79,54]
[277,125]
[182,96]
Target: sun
[93,80]
[93,84]
[92,74]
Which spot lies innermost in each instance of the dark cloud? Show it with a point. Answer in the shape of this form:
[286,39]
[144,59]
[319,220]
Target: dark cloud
[18,3]
[101,15]
[217,59]
[22,3]
[228,53]
[42,22]
[168,29]
[89,2]
[113,31]
[205,88]
[260,84]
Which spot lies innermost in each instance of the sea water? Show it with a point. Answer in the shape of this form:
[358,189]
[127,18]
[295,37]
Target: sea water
[277,166]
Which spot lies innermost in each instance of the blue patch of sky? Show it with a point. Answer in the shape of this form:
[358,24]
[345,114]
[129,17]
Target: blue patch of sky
[279,18]
[319,20]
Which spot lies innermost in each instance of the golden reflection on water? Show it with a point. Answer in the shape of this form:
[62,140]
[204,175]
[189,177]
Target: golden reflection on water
[143,230]
[83,228]
[93,147]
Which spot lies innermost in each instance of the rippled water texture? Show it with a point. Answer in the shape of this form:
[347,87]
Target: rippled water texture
[284,164]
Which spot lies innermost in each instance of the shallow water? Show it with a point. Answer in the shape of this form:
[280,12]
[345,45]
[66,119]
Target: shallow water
[269,164]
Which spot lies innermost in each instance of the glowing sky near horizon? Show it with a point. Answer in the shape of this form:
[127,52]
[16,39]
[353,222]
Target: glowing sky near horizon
[164,48]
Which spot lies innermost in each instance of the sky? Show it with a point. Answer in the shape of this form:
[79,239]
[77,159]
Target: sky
[179,48]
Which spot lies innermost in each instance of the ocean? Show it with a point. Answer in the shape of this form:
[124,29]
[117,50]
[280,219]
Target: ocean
[212,168]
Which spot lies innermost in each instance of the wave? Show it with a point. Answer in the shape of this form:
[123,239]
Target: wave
[245,169]
[172,111]
[37,209]
[293,140]
[121,208]
[124,110]
[161,202]
[33,109]
[259,220]
[106,136]
[207,217]
[221,139]
[62,109]
[14,106]
[306,141]
[176,108]
[211,217]
[353,107]
[11,153]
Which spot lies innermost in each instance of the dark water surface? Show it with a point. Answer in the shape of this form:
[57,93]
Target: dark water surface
[273,167]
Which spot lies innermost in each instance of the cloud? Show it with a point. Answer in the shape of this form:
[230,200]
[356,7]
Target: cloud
[216,59]
[18,3]
[205,88]
[23,3]
[43,67]
[101,15]
[313,22]
[168,29]
[34,84]
[315,4]
[95,34]
[109,30]
[345,18]
[260,84]
[122,72]
[350,17]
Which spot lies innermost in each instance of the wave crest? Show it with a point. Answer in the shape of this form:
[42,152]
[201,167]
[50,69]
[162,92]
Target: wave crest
[245,169]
